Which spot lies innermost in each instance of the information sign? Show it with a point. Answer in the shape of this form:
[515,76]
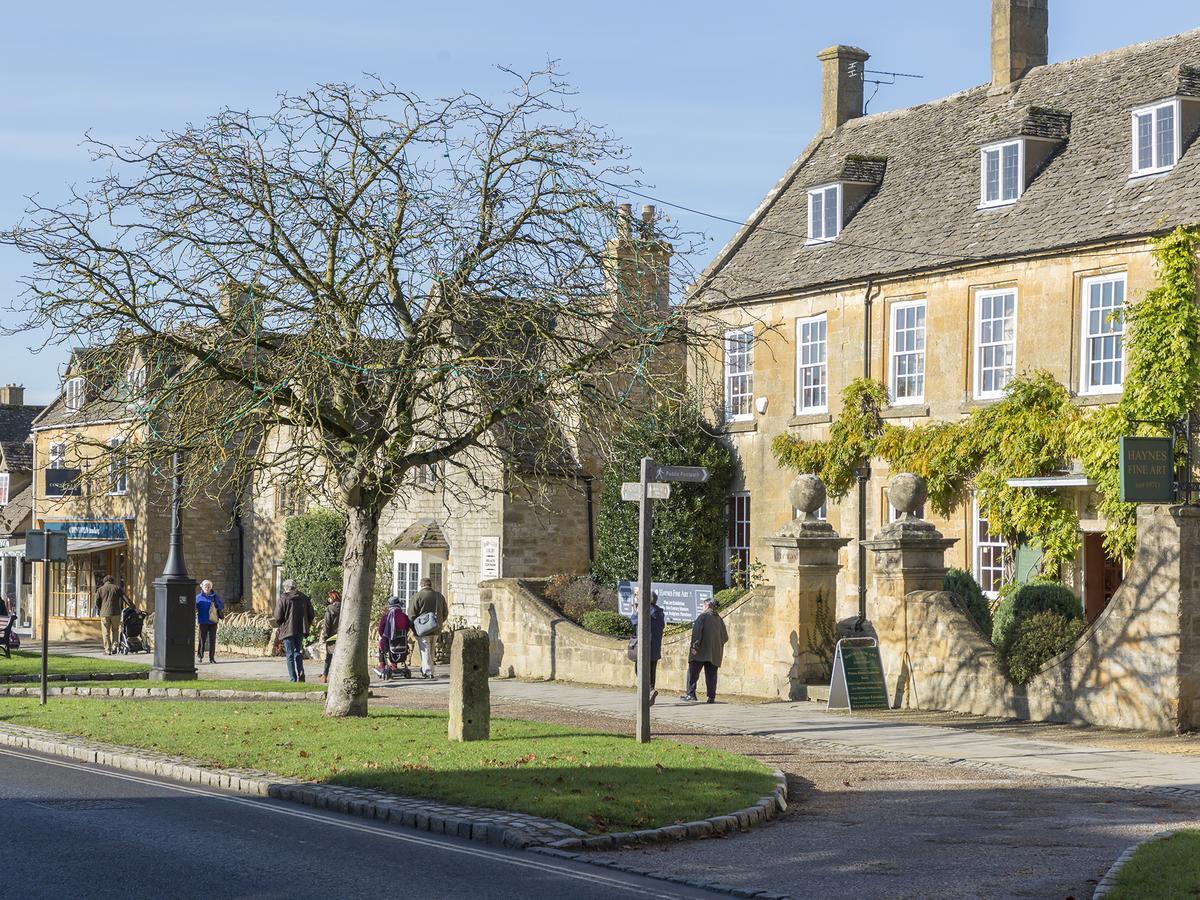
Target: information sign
[857,681]
[679,602]
[1147,470]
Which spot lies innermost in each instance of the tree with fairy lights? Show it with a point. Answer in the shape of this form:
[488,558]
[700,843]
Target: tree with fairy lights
[359,284]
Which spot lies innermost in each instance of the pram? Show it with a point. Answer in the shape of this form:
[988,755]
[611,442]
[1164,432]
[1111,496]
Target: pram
[395,658]
[133,623]
[393,632]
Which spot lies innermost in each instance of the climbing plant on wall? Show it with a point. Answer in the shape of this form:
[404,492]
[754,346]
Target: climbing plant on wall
[1035,429]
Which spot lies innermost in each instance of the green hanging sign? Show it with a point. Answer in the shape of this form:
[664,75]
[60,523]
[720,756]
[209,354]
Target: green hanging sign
[1147,470]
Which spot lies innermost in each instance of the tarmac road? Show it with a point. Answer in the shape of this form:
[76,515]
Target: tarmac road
[73,830]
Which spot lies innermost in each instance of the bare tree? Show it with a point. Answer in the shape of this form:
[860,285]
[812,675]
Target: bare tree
[357,284]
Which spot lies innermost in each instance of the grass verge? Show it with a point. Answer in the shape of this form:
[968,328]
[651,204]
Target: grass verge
[597,782]
[1162,870]
[24,662]
[210,684]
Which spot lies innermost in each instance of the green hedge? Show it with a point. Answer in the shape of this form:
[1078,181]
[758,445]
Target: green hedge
[1041,595]
[313,546]
[1036,639]
[689,528]
[602,621]
[726,598]
[962,584]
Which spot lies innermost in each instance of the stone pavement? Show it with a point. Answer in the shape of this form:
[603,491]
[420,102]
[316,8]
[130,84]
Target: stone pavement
[808,723]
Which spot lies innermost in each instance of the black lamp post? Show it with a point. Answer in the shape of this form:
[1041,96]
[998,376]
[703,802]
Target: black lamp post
[174,601]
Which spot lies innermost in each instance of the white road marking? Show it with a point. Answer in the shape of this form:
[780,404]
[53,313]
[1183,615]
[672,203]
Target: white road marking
[539,865]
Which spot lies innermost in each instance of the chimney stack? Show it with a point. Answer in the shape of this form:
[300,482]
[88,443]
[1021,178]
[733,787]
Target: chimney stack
[12,395]
[841,84]
[1020,30]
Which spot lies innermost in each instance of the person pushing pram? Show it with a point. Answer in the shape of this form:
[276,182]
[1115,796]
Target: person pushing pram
[393,628]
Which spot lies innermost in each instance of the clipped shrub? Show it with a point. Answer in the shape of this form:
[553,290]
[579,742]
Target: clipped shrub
[1036,639]
[729,596]
[962,584]
[1039,595]
[313,546]
[603,621]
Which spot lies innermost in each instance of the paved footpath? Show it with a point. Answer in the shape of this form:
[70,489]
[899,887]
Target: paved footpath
[808,723]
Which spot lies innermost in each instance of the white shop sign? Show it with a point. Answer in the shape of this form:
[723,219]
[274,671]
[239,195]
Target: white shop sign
[489,558]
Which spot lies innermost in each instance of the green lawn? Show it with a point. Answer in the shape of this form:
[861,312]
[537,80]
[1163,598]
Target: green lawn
[211,684]
[25,663]
[597,782]
[1162,870]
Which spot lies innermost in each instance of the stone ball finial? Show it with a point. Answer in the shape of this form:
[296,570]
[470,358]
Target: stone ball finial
[807,493]
[906,492]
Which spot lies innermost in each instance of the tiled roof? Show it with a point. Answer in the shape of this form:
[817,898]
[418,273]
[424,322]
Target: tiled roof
[424,534]
[15,422]
[100,409]
[15,515]
[924,213]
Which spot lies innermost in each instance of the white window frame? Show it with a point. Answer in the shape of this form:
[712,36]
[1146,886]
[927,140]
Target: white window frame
[56,458]
[1156,164]
[4,485]
[748,374]
[1085,336]
[821,366]
[980,297]
[73,393]
[893,316]
[978,546]
[407,562]
[735,509]
[1000,199]
[118,470]
[819,235]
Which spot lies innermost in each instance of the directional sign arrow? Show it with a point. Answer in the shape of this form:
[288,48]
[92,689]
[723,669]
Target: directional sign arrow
[681,473]
[631,491]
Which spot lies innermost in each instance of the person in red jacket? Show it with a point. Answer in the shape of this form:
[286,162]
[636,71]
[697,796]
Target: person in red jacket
[393,628]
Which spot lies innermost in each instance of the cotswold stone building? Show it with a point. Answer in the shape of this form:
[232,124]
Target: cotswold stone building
[16,500]
[943,249]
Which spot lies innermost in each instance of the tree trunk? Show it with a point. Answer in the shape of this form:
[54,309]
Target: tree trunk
[349,677]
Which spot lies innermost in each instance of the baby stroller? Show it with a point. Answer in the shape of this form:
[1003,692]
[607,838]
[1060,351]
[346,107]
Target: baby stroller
[133,622]
[393,631]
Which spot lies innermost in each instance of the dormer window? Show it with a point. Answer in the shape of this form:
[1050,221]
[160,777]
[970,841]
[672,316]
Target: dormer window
[1156,136]
[73,393]
[824,213]
[1002,173]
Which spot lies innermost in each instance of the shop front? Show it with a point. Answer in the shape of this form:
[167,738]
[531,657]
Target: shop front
[94,549]
[16,583]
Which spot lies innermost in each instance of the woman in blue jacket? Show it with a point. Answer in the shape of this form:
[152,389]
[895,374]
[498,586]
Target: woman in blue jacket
[208,612]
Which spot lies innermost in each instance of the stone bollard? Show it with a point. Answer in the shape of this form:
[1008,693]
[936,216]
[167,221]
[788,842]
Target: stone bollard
[470,699]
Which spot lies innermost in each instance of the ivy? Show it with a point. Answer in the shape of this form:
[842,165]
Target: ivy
[1035,429]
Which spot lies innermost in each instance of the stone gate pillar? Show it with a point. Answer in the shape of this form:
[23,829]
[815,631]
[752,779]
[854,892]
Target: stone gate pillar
[906,555]
[804,568]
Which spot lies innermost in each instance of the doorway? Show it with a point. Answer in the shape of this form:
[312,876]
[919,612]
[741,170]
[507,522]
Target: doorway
[1102,575]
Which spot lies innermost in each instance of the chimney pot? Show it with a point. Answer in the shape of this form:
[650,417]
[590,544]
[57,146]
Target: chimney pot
[842,70]
[12,395]
[1020,38]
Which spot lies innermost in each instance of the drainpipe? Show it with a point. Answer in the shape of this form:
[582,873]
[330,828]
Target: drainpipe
[863,473]
[241,551]
[591,540]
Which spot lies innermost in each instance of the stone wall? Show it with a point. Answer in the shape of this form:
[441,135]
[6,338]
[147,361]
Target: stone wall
[530,640]
[1137,666]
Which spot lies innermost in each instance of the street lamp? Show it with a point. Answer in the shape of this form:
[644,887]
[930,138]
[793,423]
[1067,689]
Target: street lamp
[174,600]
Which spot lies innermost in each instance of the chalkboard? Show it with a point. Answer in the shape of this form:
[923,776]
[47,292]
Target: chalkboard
[857,681]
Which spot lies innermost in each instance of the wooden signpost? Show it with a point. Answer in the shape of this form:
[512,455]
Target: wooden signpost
[857,681]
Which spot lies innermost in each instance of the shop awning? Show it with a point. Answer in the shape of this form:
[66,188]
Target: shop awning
[91,546]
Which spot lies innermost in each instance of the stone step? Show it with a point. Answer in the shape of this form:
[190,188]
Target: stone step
[818,693]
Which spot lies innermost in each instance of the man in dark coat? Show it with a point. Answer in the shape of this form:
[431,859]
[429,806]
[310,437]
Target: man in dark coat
[427,600]
[111,602]
[293,617]
[658,622]
[708,646]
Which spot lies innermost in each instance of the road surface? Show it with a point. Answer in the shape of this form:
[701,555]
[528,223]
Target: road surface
[72,830]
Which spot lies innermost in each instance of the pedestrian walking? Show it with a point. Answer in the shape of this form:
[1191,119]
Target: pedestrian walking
[428,611]
[293,617]
[708,645]
[658,621]
[210,609]
[333,615]
[110,603]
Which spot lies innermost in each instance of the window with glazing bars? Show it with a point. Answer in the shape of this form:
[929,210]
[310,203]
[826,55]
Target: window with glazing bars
[1103,334]
[811,375]
[1001,173]
[908,352]
[737,543]
[995,341]
[989,558]
[824,213]
[1155,138]
[739,375]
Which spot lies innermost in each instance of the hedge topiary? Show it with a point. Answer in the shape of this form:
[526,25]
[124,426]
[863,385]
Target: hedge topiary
[962,584]
[1041,595]
[689,528]
[1036,639]
[602,621]
[313,546]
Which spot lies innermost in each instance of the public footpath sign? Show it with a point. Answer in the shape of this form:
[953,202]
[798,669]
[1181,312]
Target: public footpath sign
[857,681]
[1147,470]
[679,602]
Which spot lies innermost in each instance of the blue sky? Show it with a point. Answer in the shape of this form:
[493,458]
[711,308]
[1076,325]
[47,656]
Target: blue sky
[714,99]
